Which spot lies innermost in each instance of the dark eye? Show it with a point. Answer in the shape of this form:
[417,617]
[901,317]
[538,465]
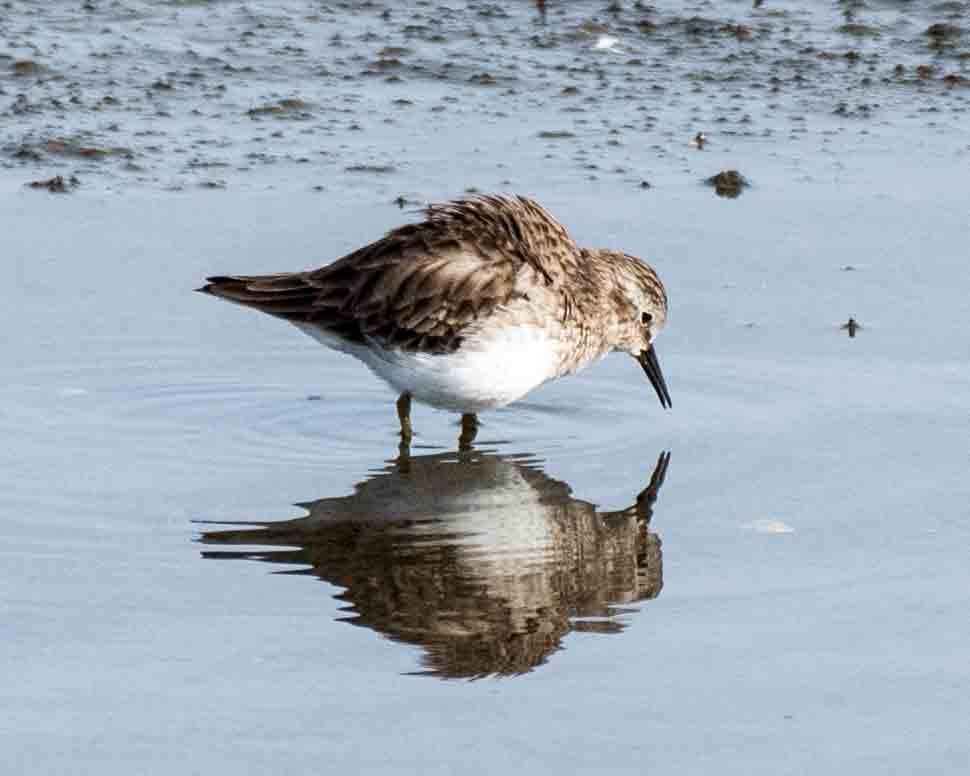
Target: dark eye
[645,318]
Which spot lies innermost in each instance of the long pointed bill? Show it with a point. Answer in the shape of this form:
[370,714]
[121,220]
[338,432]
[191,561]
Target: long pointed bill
[648,360]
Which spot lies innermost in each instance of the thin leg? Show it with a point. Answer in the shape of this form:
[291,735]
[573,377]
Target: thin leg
[469,430]
[404,415]
[403,457]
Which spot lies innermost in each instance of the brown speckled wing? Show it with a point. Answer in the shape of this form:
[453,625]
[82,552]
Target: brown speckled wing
[420,286]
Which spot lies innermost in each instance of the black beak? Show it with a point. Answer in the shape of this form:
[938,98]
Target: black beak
[648,360]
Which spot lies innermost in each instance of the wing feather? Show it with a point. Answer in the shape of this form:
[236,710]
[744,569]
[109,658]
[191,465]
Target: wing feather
[423,284]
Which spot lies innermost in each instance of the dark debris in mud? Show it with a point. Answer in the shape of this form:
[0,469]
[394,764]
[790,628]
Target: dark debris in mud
[289,108]
[64,148]
[851,326]
[56,185]
[75,150]
[941,31]
[374,169]
[728,183]
[23,68]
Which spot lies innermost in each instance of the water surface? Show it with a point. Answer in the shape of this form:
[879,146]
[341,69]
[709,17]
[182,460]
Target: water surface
[789,595]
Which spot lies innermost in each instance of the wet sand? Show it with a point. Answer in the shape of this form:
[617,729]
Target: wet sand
[795,599]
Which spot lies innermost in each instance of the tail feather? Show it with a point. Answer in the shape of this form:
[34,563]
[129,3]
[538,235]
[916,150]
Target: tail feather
[287,295]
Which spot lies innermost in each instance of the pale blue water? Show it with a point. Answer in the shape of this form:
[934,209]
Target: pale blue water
[798,604]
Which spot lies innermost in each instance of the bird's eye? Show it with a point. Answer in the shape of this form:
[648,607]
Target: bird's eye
[645,318]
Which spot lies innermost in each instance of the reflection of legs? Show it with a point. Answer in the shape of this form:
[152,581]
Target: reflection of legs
[469,429]
[404,415]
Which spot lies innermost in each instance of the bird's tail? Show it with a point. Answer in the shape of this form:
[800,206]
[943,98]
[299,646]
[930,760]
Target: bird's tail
[287,295]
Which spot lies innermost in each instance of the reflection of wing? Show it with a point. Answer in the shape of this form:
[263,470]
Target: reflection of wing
[481,559]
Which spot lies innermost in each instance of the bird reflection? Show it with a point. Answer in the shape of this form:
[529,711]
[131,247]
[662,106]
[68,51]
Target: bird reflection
[479,558]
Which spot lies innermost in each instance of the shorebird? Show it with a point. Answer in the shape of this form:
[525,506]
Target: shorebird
[471,308]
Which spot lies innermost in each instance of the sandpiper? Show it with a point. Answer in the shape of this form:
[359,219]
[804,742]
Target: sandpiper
[471,308]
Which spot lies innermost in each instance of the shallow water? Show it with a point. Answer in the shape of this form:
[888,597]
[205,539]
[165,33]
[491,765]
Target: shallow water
[793,601]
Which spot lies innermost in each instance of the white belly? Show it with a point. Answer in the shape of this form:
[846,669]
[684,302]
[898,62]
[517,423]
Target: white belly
[483,374]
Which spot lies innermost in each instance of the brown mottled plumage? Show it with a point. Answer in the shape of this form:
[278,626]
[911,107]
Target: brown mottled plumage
[470,274]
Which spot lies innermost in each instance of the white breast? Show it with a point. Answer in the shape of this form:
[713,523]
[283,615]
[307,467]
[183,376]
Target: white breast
[488,371]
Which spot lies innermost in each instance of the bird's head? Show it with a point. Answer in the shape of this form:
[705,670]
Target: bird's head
[640,302]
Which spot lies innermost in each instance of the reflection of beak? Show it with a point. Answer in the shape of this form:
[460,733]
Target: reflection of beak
[648,496]
[648,360]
